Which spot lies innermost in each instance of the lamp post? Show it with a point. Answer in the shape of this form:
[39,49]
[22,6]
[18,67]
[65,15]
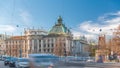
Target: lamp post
[21,46]
[20,50]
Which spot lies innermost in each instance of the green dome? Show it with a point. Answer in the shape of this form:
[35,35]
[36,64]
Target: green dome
[59,28]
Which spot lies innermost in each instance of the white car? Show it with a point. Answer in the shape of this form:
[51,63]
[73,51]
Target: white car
[90,60]
[22,63]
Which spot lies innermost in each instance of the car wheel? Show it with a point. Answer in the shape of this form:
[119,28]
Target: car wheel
[10,65]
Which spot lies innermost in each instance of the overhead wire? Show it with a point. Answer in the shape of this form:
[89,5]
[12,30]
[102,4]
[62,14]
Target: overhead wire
[13,12]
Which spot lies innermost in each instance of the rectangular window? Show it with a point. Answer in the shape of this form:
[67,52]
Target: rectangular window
[40,41]
[39,45]
[48,45]
[39,50]
[51,50]
[44,50]
[52,45]
[48,50]
[44,45]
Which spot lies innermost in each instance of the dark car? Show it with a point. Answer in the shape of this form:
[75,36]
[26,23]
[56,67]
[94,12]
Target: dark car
[7,60]
[12,62]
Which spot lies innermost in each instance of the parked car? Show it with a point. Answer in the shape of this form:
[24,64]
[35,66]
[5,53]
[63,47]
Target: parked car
[43,60]
[3,57]
[12,62]
[22,63]
[90,60]
[7,60]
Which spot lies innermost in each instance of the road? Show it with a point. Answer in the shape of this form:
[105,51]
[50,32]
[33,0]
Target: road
[91,65]
[104,65]
[2,65]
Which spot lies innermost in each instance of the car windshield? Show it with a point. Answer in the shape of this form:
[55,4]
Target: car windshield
[8,58]
[38,59]
[13,59]
[45,56]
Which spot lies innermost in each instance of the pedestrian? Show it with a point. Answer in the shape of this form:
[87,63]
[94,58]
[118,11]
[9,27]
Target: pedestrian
[118,57]
[100,59]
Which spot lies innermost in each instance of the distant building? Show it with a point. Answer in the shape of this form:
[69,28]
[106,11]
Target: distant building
[80,46]
[3,37]
[35,39]
[109,48]
[16,46]
[21,46]
[2,47]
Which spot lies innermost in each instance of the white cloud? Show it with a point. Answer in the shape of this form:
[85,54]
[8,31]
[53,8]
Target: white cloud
[76,33]
[114,20]
[25,17]
[117,13]
[107,22]
[7,28]
[89,27]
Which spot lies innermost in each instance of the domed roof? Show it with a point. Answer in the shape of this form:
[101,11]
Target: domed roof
[59,28]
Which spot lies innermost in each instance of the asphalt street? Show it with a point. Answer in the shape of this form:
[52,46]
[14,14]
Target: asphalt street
[104,65]
[2,65]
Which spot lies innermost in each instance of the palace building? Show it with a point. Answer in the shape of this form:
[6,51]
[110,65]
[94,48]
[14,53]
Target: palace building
[61,39]
[57,41]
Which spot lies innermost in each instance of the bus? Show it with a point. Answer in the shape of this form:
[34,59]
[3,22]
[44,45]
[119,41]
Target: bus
[43,60]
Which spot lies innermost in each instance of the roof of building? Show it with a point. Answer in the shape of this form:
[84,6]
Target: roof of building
[17,37]
[33,31]
[59,28]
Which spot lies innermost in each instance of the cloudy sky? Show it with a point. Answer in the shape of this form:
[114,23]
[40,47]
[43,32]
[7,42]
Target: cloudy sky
[83,17]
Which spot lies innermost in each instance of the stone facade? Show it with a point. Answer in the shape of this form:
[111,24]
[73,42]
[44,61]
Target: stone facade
[3,37]
[16,46]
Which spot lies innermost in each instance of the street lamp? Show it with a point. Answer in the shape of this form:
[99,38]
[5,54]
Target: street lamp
[20,51]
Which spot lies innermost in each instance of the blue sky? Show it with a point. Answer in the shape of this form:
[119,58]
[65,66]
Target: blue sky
[85,17]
